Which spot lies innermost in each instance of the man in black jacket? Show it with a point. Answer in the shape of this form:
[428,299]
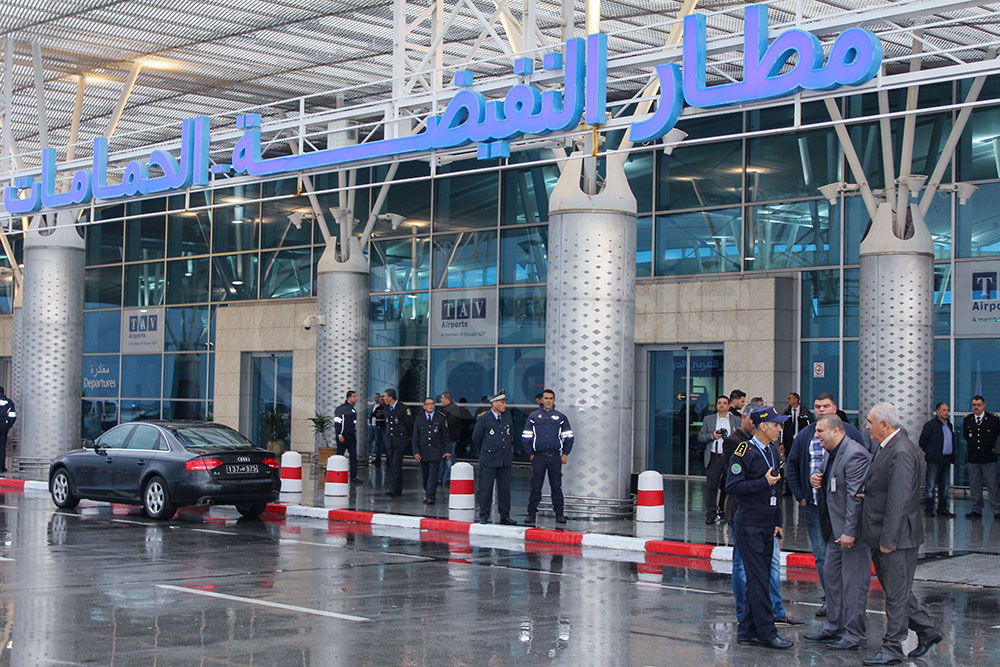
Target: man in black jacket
[430,446]
[937,439]
[981,430]
[7,418]
[398,427]
[345,425]
[798,418]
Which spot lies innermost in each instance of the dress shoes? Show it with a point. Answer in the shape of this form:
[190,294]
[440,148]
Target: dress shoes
[924,645]
[945,513]
[431,501]
[973,515]
[843,645]
[355,480]
[709,520]
[530,521]
[748,641]
[881,658]
[821,612]
[778,642]
[507,521]
[789,620]
[392,494]
[560,518]
[820,637]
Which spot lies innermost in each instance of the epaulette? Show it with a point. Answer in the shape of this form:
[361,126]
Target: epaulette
[741,449]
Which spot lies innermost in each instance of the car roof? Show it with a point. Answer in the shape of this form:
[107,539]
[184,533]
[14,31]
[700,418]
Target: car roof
[179,423]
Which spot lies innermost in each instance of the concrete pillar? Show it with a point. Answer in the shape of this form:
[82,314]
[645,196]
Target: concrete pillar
[896,342]
[16,365]
[51,343]
[590,334]
[342,340]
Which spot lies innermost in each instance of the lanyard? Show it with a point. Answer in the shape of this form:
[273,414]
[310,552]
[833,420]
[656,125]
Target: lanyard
[764,452]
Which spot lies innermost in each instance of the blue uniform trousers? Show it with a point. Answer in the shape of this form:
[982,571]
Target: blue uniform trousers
[756,545]
[429,471]
[542,463]
[740,581]
[350,445]
[487,476]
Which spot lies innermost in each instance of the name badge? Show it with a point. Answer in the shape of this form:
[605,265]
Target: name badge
[774,501]
[833,485]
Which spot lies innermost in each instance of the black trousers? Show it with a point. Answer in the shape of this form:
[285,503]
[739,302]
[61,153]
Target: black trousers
[3,447]
[756,545]
[541,465]
[429,470]
[903,611]
[715,494]
[394,483]
[350,445]
[487,476]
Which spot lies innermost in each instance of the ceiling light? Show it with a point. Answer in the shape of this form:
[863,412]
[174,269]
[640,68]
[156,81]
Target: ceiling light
[102,80]
[238,221]
[187,274]
[158,64]
[237,283]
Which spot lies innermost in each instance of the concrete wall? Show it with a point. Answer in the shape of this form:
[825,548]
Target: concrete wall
[6,335]
[266,327]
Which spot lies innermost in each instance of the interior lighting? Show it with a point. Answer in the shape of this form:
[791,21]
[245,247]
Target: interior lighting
[237,283]
[158,64]
[238,221]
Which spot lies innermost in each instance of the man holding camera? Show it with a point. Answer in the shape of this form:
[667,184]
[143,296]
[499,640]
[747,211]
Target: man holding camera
[714,429]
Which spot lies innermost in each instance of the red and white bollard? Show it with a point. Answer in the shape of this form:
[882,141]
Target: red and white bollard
[462,493]
[291,472]
[649,505]
[337,483]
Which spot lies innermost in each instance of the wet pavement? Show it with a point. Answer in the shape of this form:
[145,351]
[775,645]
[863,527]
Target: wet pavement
[103,585]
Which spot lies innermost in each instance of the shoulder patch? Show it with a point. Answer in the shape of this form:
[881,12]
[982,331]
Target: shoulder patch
[736,468]
[741,449]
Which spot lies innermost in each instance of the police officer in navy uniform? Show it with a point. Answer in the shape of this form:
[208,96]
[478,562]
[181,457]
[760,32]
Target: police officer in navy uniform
[7,418]
[397,435]
[345,425]
[493,437]
[430,445]
[547,439]
[754,473]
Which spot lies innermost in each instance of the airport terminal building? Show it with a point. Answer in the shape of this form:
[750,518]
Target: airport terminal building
[806,233]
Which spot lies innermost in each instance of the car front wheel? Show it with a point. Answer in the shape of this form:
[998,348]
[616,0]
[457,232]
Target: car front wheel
[156,500]
[251,509]
[61,491]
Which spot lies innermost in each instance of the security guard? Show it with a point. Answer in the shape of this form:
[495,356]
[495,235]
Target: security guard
[7,418]
[430,445]
[754,473]
[345,425]
[398,429]
[493,437]
[547,439]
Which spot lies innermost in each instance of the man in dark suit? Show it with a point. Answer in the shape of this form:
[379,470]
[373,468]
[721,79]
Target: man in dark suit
[798,418]
[893,529]
[714,429]
[493,437]
[430,446]
[938,442]
[398,429]
[848,564]
[981,430]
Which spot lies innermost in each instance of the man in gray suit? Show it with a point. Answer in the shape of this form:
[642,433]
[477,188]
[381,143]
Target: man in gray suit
[893,528]
[714,429]
[848,566]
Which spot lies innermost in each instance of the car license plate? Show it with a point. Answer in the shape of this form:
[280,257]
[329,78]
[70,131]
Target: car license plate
[242,469]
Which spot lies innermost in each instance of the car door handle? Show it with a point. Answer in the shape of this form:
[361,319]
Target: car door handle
[109,460]
[140,462]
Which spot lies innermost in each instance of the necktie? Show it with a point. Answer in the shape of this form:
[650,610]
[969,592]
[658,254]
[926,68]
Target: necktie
[428,416]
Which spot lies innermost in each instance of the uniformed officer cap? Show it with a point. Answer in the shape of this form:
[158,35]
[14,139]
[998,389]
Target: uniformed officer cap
[499,396]
[766,414]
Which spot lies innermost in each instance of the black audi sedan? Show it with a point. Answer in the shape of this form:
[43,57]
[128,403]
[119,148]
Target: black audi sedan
[162,465]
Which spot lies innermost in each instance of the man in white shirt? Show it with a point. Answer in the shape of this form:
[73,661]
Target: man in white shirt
[714,429]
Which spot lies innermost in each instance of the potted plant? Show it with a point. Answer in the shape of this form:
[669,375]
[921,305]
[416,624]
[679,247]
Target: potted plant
[321,424]
[275,423]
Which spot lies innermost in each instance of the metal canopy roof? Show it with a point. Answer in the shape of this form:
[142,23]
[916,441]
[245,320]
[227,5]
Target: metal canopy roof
[214,57]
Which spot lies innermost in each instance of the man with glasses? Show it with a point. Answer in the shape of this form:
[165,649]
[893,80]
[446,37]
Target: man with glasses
[430,446]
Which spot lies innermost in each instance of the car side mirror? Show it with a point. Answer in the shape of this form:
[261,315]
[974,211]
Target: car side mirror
[89,443]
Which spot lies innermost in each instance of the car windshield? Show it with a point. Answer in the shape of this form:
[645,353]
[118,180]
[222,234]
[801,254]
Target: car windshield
[197,437]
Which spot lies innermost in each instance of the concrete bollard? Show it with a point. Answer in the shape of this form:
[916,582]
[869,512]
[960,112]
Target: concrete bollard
[337,483]
[291,472]
[462,492]
[649,505]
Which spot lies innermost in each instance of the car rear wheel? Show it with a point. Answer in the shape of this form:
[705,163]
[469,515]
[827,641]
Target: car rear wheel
[156,500]
[252,509]
[61,491]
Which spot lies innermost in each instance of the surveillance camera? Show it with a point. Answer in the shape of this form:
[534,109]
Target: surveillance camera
[671,139]
[309,321]
[965,191]
[393,219]
[831,191]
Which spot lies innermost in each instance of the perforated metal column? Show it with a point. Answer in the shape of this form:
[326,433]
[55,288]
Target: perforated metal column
[590,334]
[51,344]
[16,365]
[896,338]
[342,342]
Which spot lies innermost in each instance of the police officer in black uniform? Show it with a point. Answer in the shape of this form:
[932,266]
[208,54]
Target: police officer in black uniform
[398,427]
[754,473]
[430,445]
[345,425]
[547,439]
[493,437]
[7,418]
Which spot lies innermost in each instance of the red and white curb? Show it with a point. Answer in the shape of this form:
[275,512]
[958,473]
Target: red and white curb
[23,485]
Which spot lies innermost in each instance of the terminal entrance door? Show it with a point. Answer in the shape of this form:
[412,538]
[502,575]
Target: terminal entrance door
[683,385]
[267,395]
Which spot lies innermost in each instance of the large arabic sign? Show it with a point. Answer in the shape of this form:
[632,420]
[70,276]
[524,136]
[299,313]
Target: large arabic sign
[793,62]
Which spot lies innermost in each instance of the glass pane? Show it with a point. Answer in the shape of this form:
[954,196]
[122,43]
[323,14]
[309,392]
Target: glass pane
[942,299]
[410,200]
[186,329]
[144,236]
[286,273]
[668,421]
[100,376]
[978,224]
[139,411]
[463,202]
[141,376]
[98,417]
[144,284]
[463,372]
[821,304]
[521,371]
[104,239]
[524,255]
[783,166]
[702,242]
[526,191]
[794,234]
[400,264]
[102,288]
[402,370]
[102,331]
[706,371]
[850,401]
[185,375]
[289,221]
[522,315]
[234,277]
[852,302]
[235,218]
[144,437]
[194,410]
[700,176]
[187,280]
[942,371]
[976,371]
[979,147]
[828,353]
[856,222]
[644,247]
[518,416]
[639,171]
[398,320]
[467,259]
[188,233]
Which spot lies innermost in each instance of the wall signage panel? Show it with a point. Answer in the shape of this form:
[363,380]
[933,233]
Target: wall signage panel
[464,317]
